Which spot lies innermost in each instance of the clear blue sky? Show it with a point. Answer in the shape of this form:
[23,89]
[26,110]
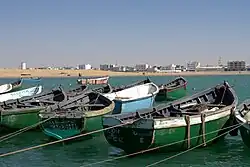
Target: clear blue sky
[60,32]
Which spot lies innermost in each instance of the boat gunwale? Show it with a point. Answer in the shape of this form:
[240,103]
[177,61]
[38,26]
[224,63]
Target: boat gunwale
[18,111]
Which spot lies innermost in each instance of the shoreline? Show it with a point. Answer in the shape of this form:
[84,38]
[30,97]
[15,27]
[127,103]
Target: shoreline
[17,73]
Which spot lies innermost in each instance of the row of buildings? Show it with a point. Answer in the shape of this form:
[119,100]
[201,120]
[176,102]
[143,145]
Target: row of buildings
[191,66]
[231,66]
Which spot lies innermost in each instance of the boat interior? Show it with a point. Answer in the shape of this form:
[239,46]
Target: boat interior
[205,102]
[122,87]
[244,108]
[136,92]
[5,88]
[44,99]
[76,91]
[177,82]
[103,89]
[90,101]
[16,83]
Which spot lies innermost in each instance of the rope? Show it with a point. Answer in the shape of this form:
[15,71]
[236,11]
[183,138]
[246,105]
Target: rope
[58,141]
[10,135]
[155,148]
[192,148]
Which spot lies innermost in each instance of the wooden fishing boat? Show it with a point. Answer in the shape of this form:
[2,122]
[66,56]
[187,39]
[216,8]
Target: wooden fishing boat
[174,90]
[242,115]
[134,98]
[93,80]
[186,122]
[14,86]
[21,113]
[21,93]
[78,115]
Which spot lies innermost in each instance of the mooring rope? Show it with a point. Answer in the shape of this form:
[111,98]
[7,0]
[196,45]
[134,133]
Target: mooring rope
[10,135]
[62,140]
[153,164]
[156,148]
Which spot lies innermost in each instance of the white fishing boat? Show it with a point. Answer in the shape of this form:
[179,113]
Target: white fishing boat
[134,98]
[22,93]
[10,87]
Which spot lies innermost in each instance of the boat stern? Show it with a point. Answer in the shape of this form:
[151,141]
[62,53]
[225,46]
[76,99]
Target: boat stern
[60,125]
[129,136]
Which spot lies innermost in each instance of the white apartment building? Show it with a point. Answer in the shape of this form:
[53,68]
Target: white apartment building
[85,67]
[23,66]
[191,66]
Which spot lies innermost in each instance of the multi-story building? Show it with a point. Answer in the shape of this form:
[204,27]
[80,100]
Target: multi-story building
[191,66]
[248,67]
[119,69]
[141,67]
[236,65]
[23,66]
[104,67]
[85,67]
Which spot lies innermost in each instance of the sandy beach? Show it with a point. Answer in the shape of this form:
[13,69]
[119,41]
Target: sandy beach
[15,73]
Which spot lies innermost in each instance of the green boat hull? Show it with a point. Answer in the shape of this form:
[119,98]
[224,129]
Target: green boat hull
[134,139]
[245,134]
[164,95]
[92,124]
[20,118]
[66,128]
[62,128]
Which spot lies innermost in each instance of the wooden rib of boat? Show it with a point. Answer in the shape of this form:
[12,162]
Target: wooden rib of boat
[21,113]
[21,93]
[134,98]
[78,115]
[174,90]
[11,87]
[93,80]
[181,121]
[242,115]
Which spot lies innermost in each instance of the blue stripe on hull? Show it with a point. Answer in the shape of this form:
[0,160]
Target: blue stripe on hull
[132,106]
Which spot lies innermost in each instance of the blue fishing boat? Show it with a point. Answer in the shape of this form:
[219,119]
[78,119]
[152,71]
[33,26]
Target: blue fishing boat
[134,98]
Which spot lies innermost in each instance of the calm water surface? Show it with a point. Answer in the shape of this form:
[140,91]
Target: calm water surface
[230,152]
